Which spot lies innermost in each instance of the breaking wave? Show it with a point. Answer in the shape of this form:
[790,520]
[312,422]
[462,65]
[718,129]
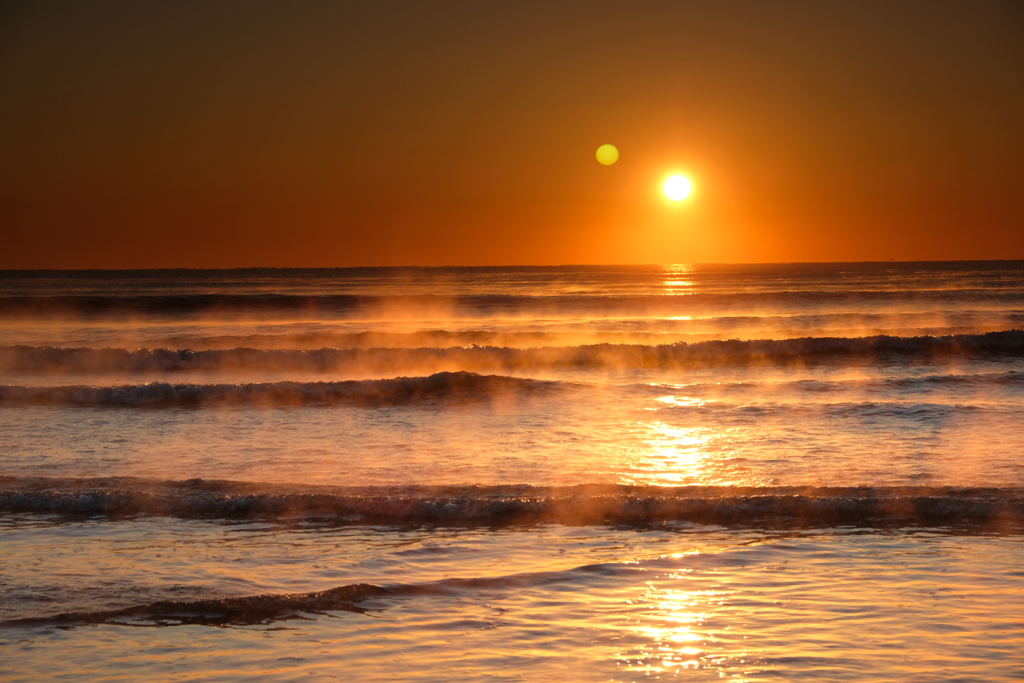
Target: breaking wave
[680,355]
[467,387]
[253,609]
[442,386]
[520,504]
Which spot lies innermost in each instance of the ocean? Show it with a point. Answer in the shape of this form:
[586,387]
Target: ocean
[604,473]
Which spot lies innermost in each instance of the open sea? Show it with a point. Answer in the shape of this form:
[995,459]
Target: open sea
[798,472]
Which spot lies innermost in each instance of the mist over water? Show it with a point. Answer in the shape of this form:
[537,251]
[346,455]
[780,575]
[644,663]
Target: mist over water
[334,416]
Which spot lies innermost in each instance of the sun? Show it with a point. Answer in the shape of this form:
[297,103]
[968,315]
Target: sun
[677,187]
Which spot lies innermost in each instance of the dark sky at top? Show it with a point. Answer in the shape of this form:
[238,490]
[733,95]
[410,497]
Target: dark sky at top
[218,134]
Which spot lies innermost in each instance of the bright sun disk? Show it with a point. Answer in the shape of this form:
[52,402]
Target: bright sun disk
[677,187]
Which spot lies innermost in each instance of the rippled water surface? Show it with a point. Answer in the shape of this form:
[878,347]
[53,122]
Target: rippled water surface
[548,603]
[469,473]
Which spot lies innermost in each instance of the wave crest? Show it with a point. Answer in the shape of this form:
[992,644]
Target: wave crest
[253,609]
[442,386]
[517,504]
[680,355]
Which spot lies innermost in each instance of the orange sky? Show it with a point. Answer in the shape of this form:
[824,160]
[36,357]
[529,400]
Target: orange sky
[227,134]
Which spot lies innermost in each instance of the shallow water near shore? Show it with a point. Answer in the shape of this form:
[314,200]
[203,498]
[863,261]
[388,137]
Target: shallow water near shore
[541,603]
[783,471]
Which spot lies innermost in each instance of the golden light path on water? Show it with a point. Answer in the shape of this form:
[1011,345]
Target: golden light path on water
[677,455]
[674,456]
[680,639]
[678,279]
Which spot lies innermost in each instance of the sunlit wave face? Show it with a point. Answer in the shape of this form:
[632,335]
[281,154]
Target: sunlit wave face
[677,188]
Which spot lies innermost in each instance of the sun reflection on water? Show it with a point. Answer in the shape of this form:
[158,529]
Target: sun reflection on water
[689,454]
[678,279]
[674,455]
[675,635]
[682,400]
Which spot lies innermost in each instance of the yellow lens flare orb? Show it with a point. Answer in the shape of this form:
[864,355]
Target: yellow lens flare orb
[677,187]
[607,154]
